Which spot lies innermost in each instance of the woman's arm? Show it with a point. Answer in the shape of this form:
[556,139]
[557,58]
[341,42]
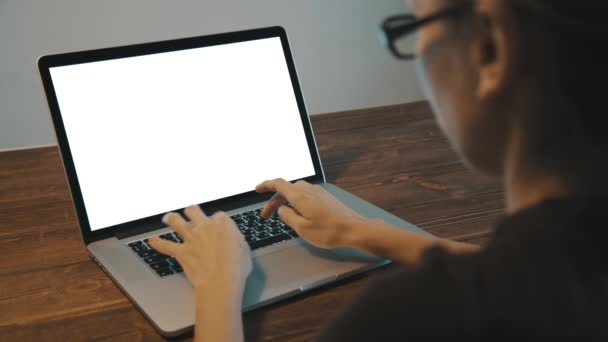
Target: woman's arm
[403,246]
[218,315]
[325,222]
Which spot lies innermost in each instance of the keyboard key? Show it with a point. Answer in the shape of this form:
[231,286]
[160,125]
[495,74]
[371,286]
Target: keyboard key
[155,258]
[275,231]
[263,235]
[148,253]
[270,241]
[163,272]
[260,228]
[139,248]
[250,238]
[159,265]
[248,232]
[136,243]
[173,237]
[163,264]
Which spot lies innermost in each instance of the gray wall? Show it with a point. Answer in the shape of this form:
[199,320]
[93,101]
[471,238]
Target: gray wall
[339,59]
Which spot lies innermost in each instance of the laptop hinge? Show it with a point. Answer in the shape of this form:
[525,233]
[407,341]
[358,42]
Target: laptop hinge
[317,181]
[152,224]
[127,233]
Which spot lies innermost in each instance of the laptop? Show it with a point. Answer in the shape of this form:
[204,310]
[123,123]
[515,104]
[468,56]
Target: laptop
[230,108]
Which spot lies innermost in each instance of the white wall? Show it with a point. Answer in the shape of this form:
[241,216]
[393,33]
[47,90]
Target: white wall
[340,61]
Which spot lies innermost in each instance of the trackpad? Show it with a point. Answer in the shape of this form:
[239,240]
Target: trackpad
[299,267]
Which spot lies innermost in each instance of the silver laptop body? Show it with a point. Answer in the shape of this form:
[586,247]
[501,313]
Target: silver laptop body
[76,82]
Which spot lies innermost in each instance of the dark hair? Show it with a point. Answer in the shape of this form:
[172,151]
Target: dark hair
[573,34]
[576,31]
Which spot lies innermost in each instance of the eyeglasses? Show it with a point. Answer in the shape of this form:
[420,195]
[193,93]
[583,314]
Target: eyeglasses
[398,32]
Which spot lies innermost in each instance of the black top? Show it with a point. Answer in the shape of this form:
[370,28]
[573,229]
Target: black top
[543,273]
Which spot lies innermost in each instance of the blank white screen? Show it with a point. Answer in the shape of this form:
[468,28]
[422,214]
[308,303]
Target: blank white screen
[155,133]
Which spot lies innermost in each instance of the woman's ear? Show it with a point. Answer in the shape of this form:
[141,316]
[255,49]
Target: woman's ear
[493,48]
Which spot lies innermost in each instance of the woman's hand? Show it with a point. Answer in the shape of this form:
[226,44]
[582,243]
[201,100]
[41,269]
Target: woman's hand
[217,260]
[313,212]
[214,254]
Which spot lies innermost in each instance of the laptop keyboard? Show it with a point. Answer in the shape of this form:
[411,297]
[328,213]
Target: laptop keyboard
[257,231]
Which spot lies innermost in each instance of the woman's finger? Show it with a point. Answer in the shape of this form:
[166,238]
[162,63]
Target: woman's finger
[272,205]
[291,218]
[164,246]
[177,222]
[196,214]
[289,191]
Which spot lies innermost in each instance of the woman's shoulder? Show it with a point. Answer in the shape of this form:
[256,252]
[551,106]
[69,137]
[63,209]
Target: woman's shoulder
[409,302]
[541,273]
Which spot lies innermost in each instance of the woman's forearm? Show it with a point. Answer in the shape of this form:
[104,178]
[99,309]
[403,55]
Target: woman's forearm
[218,316]
[403,246]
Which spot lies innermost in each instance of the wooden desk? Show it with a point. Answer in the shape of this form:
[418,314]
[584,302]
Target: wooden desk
[394,157]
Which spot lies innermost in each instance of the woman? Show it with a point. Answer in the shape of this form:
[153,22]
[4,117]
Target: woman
[516,86]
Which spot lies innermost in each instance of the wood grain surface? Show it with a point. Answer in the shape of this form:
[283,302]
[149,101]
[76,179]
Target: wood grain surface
[394,157]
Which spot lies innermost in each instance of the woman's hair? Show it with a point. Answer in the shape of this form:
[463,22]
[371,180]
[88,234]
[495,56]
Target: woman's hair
[573,35]
[577,31]
[569,15]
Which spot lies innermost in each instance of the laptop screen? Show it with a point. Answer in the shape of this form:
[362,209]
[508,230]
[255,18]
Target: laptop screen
[154,133]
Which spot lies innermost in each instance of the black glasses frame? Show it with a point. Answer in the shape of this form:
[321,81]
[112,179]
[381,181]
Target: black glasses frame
[397,26]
